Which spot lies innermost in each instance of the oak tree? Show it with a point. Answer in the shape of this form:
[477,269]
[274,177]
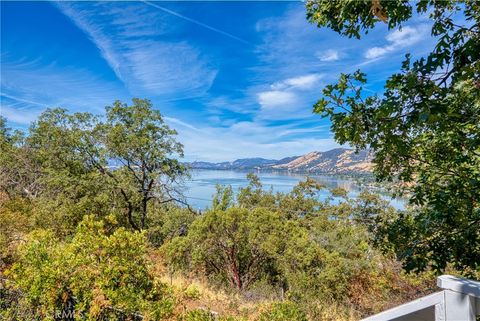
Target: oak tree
[424,128]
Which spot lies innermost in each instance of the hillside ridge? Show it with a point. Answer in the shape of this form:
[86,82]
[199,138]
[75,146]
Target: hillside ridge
[338,160]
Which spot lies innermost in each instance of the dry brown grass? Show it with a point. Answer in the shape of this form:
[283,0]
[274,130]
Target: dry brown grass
[369,292]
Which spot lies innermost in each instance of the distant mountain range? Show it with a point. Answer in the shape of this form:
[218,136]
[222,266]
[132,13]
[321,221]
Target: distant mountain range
[338,160]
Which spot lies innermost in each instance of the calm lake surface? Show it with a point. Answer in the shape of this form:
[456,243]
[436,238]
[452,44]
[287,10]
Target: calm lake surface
[201,187]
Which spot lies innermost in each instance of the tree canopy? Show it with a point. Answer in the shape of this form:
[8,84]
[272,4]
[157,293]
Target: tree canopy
[304,248]
[424,128]
[84,164]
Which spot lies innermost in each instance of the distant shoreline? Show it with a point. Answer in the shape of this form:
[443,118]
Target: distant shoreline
[212,177]
[334,161]
[286,171]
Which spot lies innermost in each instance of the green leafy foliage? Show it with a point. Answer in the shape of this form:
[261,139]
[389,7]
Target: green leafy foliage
[167,222]
[231,244]
[137,138]
[424,129]
[15,221]
[19,171]
[198,315]
[285,311]
[97,273]
[310,251]
[76,164]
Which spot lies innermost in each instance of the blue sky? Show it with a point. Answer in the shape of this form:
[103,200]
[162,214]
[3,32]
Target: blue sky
[236,79]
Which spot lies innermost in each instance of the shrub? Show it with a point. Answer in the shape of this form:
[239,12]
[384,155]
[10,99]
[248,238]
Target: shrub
[198,315]
[95,274]
[192,292]
[283,311]
[15,222]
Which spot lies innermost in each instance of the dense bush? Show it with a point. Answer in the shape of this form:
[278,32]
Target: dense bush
[98,272]
[284,311]
[198,315]
[292,243]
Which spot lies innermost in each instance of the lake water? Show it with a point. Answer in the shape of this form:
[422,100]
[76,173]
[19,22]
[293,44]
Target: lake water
[201,187]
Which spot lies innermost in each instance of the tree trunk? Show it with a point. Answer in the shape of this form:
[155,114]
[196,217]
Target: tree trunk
[237,280]
[144,210]
[236,276]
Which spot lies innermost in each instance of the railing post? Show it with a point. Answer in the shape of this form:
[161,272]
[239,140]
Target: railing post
[440,311]
[459,306]
[461,297]
[459,301]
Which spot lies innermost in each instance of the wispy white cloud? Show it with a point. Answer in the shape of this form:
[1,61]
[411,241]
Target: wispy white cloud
[290,44]
[219,104]
[22,100]
[324,129]
[101,40]
[204,25]
[18,116]
[28,88]
[376,52]
[252,139]
[167,68]
[261,108]
[132,40]
[400,38]
[276,98]
[233,147]
[292,71]
[300,82]
[176,121]
[328,55]
[289,98]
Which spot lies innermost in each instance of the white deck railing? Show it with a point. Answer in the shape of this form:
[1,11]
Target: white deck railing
[458,301]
